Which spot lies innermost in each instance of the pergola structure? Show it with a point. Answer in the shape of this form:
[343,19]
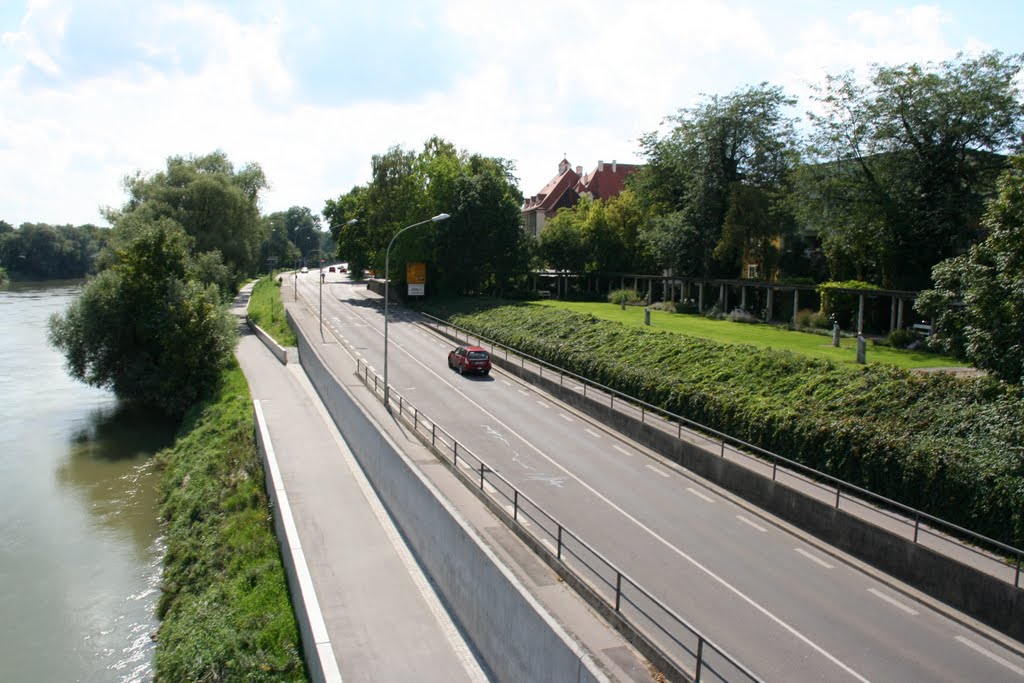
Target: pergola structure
[676,288]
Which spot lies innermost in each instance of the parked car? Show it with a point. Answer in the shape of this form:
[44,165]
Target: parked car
[469,359]
[305,269]
[331,269]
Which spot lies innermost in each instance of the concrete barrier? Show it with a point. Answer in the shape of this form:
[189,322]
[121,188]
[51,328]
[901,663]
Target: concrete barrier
[319,655]
[282,352]
[976,593]
[513,633]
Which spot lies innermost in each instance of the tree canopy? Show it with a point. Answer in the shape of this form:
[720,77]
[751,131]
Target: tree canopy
[905,163]
[978,299]
[143,328]
[43,252]
[215,204]
[743,137]
[480,247]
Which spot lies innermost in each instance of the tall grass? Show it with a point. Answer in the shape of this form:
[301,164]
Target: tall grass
[267,311]
[225,610]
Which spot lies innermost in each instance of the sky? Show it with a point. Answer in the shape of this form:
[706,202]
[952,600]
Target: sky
[94,90]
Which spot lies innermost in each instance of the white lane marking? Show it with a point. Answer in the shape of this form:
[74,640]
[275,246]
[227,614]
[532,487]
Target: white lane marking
[812,558]
[524,392]
[564,417]
[657,470]
[751,523]
[893,601]
[700,495]
[542,404]
[490,489]
[622,450]
[991,655]
[511,510]
[550,544]
[590,431]
[626,515]
[506,382]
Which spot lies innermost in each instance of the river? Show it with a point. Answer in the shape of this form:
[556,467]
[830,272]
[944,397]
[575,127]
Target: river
[80,548]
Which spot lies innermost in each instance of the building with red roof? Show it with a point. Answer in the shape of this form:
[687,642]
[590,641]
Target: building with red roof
[565,189]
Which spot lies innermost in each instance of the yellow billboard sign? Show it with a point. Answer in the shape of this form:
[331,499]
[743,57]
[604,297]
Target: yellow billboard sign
[416,278]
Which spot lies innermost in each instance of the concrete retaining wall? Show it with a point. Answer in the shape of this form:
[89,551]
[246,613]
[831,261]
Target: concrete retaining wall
[984,597]
[281,352]
[514,635]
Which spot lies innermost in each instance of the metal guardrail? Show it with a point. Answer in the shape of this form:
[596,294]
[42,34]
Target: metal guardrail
[665,631]
[964,538]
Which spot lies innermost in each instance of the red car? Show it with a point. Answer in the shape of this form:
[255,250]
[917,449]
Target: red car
[469,359]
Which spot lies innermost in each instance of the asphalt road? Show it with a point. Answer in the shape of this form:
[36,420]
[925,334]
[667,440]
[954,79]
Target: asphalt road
[788,609]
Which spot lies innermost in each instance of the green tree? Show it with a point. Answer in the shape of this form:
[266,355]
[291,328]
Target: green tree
[352,239]
[561,244]
[906,162]
[144,330]
[753,230]
[41,251]
[277,249]
[742,137]
[215,204]
[978,299]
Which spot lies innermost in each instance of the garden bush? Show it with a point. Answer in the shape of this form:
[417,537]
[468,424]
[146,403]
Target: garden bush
[945,445]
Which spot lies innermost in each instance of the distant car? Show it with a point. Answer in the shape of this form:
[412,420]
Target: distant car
[331,269]
[469,359]
[342,269]
[305,269]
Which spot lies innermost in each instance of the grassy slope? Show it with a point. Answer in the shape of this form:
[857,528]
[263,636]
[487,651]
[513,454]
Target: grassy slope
[266,311]
[225,606]
[767,336]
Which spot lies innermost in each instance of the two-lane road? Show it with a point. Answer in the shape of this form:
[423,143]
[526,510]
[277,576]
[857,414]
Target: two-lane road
[787,609]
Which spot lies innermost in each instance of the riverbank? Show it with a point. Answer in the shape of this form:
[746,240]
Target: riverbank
[225,610]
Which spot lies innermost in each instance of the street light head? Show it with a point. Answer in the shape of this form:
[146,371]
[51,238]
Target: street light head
[352,222]
[440,217]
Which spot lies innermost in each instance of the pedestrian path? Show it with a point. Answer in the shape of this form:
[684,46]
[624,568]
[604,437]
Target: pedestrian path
[381,617]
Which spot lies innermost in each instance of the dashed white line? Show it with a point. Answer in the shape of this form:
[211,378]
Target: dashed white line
[565,417]
[812,558]
[751,523]
[524,392]
[590,431]
[991,655]
[700,495]
[506,382]
[893,601]
[657,470]
[622,450]
[542,404]
[511,510]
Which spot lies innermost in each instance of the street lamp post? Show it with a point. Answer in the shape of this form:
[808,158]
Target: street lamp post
[387,272]
[320,253]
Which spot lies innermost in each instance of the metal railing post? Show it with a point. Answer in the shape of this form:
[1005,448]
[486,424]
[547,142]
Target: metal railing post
[483,468]
[917,525]
[433,433]
[700,656]
[515,505]
[839,489]
[558,554]
[618,590]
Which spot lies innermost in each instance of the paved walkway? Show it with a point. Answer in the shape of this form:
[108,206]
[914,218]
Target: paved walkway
[382,617]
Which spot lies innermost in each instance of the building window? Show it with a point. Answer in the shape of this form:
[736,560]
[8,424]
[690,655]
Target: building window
[753,271]
[531,223]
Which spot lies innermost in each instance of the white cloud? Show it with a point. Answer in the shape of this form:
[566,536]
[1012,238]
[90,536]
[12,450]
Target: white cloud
[537,80]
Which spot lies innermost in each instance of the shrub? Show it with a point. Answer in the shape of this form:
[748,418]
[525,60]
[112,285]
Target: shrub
[805,317]
[740,315]
[714,313]
[900,339]
[629,296]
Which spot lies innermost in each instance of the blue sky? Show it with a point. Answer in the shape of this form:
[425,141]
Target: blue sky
[95,89]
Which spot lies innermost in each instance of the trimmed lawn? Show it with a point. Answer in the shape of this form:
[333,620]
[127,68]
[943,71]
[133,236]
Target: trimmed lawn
[768,336]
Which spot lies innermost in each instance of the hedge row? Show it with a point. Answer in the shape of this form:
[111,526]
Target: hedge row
[945,445]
